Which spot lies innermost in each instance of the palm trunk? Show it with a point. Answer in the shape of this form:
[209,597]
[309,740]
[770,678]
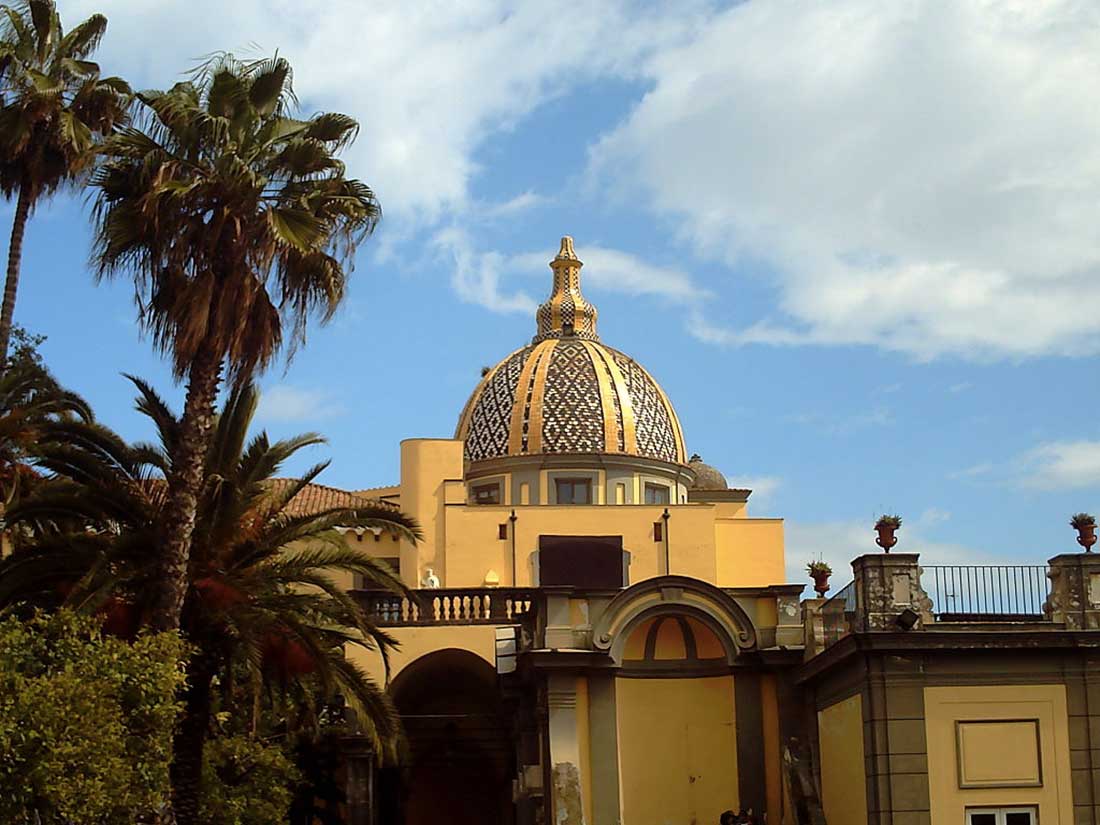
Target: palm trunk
[184,486]
[190,739]
[15,257]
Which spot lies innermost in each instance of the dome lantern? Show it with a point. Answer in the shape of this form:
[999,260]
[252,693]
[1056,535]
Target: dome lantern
[566,312]
[567,393]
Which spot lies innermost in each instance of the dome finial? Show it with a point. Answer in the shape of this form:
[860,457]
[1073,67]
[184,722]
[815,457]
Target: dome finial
[566,250]
[566,312]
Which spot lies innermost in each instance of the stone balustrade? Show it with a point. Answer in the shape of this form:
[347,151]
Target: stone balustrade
[450,606]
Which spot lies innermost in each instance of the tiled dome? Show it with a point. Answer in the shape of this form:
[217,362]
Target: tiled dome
[568,393]
[706,477]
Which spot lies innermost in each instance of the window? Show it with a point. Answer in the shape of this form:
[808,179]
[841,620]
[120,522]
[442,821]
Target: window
[486,494]
[656,494]
[1002,816]
[574,490]
[595,562]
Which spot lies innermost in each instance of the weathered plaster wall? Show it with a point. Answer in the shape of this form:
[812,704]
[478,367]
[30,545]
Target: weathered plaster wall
[998,753]
[677,749]
[843,781]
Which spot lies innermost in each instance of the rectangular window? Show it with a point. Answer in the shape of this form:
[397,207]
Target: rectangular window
[486,494]
[656,494]
[658,531]
[1002,816]
[574,490]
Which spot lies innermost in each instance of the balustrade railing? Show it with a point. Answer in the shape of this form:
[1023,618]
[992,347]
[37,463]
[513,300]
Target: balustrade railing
[838,612]
[995,592]
[450,606]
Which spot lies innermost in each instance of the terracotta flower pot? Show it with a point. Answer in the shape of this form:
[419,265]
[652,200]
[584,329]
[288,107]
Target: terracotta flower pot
[886,538]
[821,583]
[1086,536]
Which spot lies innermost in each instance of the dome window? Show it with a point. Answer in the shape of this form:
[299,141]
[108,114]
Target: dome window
[486,494]
[656,494]
[573,490]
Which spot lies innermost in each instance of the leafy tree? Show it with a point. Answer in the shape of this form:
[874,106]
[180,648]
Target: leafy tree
[260,596]
[246,782]
[85,721]
[53,107]
[236,223]
[30,400]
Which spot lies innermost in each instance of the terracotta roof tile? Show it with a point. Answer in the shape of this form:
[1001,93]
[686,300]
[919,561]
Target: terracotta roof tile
[317,497]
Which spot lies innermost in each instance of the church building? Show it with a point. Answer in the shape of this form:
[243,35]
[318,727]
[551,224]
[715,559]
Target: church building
[601,633]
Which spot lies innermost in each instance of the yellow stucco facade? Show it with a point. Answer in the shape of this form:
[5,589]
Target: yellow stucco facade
[843,776]
[598,632]
[994,746]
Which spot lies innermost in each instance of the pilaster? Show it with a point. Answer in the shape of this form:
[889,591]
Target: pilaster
[887,585]
[565,750]
[1074,598]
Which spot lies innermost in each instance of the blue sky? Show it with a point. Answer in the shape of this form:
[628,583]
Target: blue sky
[856,243]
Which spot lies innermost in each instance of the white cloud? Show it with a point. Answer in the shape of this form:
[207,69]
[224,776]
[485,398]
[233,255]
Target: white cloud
[763,489]
[283,402]
[981,469]
[833,423]
[477,276]
[1061,465]
[920,176]
[838,542]
[427,81]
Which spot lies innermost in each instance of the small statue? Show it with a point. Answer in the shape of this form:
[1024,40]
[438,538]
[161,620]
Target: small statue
[431,580]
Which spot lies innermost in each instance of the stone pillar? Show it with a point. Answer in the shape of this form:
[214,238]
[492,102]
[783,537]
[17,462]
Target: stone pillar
[1074,598]
[567,807]
[789,625]
[813,626]
[887,584]
[559,624]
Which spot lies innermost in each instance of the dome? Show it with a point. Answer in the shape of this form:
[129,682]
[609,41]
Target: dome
[706,477]
[568,393]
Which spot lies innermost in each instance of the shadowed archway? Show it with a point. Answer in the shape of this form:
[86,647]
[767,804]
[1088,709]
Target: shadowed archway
[460,754]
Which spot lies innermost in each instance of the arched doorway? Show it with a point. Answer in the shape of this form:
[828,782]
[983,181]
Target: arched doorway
[460,755]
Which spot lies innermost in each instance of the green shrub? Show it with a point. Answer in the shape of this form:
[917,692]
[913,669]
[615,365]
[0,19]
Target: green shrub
[246,782]
[86,721]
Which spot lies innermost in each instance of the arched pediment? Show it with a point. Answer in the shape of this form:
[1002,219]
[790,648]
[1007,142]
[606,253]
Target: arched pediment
[674,596]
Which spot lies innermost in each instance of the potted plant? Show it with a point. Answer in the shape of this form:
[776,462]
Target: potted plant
[820,571]
[1085,525]
[886,525]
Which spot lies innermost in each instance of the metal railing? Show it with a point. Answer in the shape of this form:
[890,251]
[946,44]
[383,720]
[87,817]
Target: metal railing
[450,606]
[837,614]
[995,592]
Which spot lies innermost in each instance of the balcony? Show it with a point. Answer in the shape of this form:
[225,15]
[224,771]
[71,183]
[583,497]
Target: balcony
[450,606]
[987,593]
[961,596]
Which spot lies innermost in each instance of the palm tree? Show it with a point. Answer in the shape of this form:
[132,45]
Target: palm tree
[260,596]
[53,106]
[237,223]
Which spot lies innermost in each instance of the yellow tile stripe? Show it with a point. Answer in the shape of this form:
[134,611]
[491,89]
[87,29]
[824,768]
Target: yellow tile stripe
[607,404]
[519,406]
[534,430]
[630,445]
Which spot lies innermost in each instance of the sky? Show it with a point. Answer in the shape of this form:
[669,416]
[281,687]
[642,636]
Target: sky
[855,241]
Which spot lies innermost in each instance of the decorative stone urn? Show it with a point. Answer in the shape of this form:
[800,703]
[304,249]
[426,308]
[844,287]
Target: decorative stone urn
[821,582]
[886,527]
[1085,525]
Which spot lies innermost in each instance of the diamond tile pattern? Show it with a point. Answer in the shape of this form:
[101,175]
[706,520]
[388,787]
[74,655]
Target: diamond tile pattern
[572,411]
